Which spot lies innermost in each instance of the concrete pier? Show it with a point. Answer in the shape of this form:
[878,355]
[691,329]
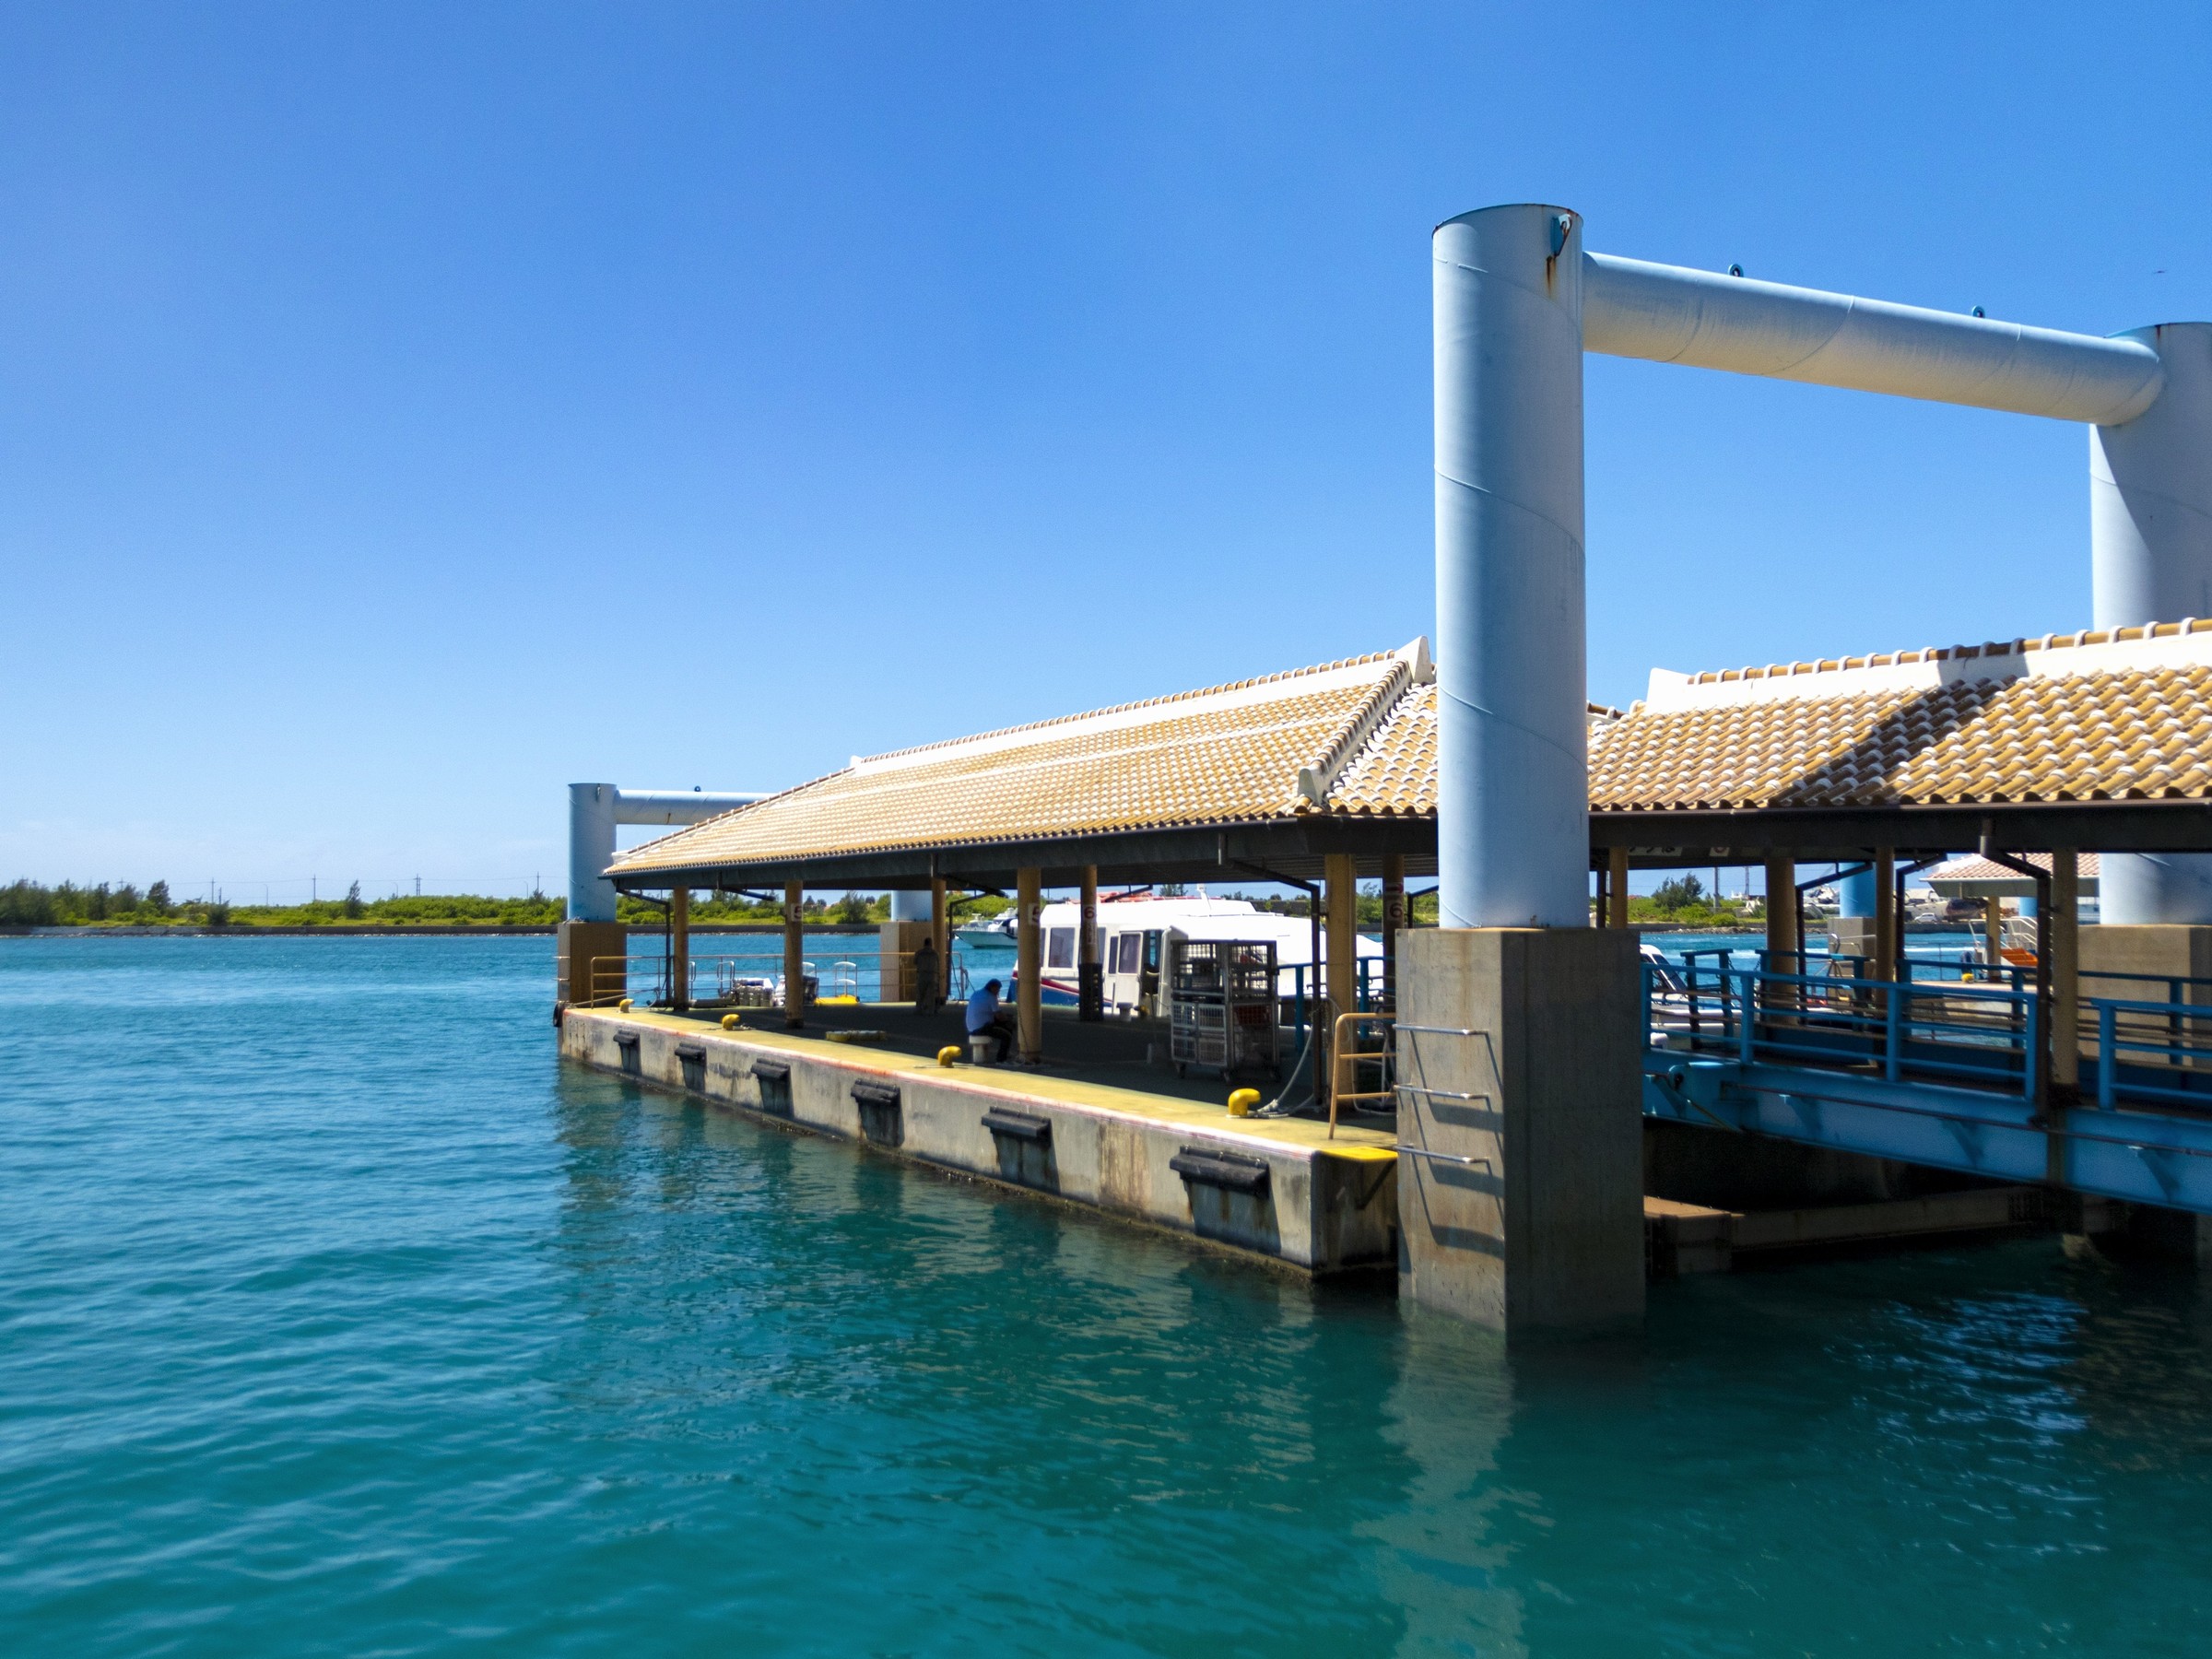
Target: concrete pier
[1274,1188]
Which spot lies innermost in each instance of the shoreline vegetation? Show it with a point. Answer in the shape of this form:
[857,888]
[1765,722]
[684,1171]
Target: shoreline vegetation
[1679,904]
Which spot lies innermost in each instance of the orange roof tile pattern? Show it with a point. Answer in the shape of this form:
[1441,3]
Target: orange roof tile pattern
[2107,716]
[2057,731]
[1254,750]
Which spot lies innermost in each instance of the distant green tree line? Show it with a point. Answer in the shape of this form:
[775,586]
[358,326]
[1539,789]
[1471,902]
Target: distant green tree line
[121,904]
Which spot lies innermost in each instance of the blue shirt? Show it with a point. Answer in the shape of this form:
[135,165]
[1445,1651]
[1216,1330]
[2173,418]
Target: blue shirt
[982,1009]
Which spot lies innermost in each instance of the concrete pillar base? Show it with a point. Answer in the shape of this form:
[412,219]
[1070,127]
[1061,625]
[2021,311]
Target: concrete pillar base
[1530,1218]
[578,944]
[2180,948]
[897,942]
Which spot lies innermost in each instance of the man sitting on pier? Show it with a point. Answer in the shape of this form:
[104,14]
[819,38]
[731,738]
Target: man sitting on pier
[987,1019]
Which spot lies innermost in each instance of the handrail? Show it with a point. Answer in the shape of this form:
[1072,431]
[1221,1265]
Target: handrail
[2176,1054]
[1339,1060]
[1960,1030]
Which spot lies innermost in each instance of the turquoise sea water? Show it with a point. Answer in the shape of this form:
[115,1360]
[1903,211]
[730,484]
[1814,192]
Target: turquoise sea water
[337,1317]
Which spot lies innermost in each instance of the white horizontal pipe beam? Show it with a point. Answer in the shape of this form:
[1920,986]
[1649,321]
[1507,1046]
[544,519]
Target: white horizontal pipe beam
[594,811]
[679,806]
[1673,314]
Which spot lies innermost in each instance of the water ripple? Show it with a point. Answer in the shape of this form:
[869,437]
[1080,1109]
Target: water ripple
[337,1317]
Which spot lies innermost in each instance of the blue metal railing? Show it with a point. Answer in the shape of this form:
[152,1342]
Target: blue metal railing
[1368,997]
[2172,1069]
[1945,1024]
[1951,1031]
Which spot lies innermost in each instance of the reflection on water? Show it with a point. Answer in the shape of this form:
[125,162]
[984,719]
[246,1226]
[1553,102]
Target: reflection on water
[337,1315]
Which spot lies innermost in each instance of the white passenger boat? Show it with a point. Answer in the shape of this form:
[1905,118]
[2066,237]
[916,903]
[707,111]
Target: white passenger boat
[1139,936]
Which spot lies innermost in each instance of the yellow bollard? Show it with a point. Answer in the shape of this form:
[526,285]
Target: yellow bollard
[624,1006]
[1242,1103]
[730,1022]
[949,1055]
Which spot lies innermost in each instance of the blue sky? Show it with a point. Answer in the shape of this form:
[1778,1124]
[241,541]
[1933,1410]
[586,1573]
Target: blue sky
[406,411]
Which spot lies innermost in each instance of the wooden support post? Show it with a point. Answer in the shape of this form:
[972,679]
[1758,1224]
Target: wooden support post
[1090,983]
[1887,937]
[1616,888]
[940,935]
[1992,928]
[1341,922]
[679,950]
[1783,944]
[1393,923]
[1029,957]
[794,956]
[2065,971]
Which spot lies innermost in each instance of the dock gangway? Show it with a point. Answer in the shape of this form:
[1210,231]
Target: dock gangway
[1951,1066]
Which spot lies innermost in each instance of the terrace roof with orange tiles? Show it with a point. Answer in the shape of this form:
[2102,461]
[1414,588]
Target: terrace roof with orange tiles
[1337,742]
[1342,756]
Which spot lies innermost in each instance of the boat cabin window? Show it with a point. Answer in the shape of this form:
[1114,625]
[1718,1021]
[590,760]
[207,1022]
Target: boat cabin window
[1060,947]
[1125,947]
[1152,952]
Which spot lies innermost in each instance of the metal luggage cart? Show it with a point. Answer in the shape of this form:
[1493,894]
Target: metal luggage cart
[1222,1006]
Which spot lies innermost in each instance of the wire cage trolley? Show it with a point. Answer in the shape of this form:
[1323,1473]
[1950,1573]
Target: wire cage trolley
[1222,1006]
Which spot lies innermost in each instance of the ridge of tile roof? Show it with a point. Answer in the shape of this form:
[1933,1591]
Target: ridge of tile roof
[2087,636]
[1262,684]
[1317,779]
[1393,774]
[2089,650]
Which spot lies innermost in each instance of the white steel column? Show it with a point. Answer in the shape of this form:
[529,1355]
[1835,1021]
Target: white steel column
[2150,561]
[1513,807]
[591,850]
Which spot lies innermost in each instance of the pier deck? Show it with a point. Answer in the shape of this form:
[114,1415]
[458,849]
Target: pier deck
[1097,1125]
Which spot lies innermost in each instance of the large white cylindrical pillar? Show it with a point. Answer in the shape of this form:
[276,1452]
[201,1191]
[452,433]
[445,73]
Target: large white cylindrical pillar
[2150,492]
[1512,771]
[591,850]
[2151,559]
